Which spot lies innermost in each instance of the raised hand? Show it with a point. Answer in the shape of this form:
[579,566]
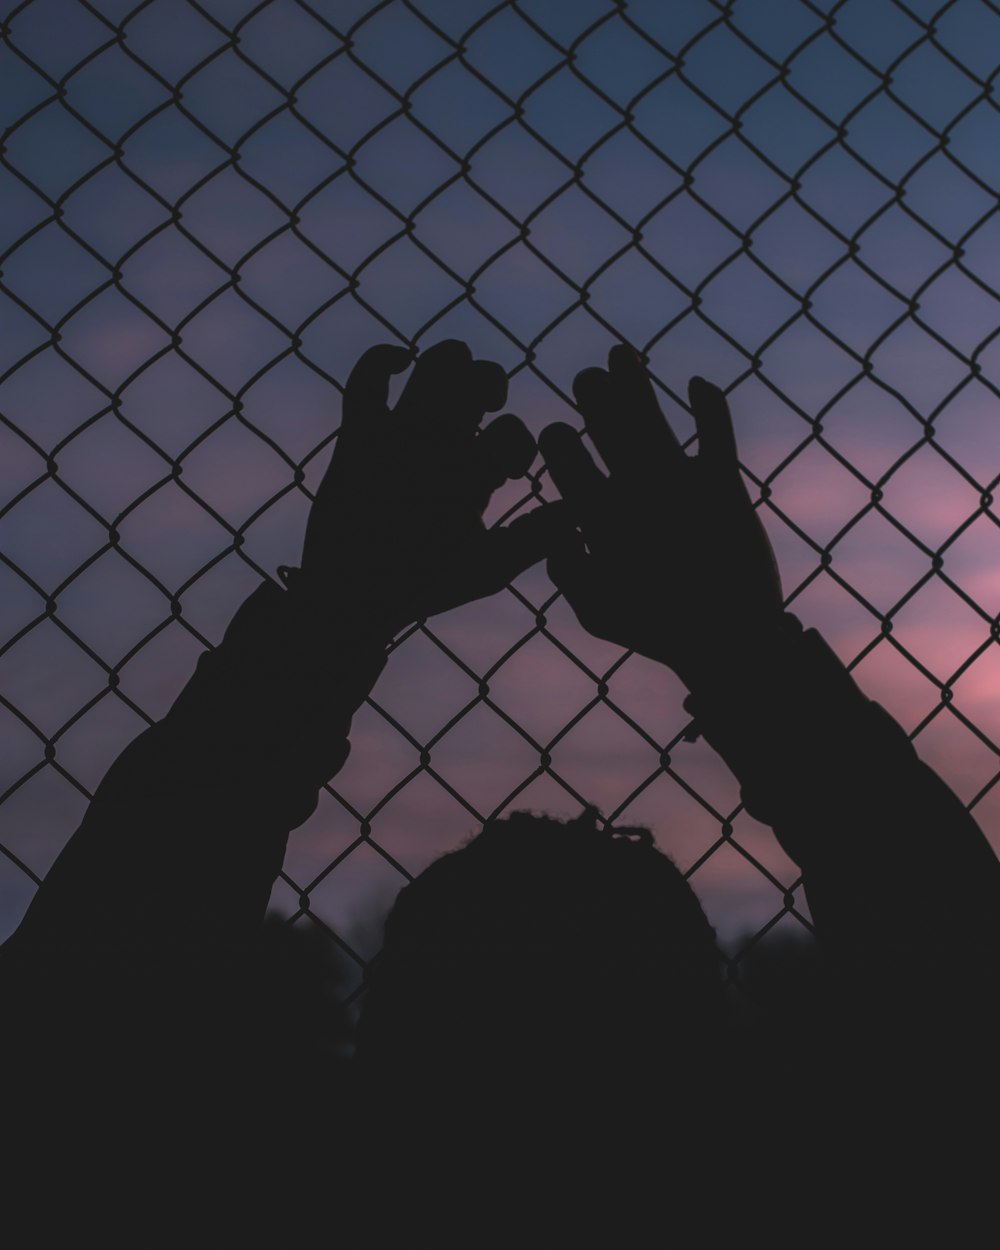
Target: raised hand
[668,557]
[396,532]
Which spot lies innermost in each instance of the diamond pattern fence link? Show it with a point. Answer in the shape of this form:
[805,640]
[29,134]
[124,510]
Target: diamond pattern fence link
[213,207]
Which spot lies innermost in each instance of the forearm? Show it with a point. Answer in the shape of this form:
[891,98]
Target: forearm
[894,866]
[187,832]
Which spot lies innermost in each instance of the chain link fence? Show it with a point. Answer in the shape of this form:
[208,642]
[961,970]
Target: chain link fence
[211,208]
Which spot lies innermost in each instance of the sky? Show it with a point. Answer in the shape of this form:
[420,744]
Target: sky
[209,210]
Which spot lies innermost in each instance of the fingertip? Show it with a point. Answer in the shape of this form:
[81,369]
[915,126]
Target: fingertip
[713,420]
[491,384]
[392,357]
[589,384]
[398,358]
[621,356]
[509,423]
[512,444]
[367,386]
[559,431]
[558,434]
[456,348]
[701,388]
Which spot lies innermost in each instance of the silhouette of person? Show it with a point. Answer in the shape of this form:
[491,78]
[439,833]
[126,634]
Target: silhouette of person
[129,970]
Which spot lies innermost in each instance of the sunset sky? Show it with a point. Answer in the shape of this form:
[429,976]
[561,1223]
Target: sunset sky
[209,210]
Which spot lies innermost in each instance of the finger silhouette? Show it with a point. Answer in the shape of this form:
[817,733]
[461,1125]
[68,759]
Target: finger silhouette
[364,409]
[367,391]
[716,440]
[577,477]
[649,431]
[596,399]
[509,550]
[504,450]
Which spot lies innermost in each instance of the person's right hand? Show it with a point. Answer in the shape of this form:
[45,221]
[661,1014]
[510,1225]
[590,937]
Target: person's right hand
[668,557]
[396,532]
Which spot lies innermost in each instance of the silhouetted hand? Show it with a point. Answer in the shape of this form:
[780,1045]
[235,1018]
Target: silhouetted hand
[670,559]
[396,532]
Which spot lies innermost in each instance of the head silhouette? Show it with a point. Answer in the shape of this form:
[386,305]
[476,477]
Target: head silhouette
[543,944]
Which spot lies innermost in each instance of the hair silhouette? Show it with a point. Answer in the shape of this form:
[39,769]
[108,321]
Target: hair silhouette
[542,945]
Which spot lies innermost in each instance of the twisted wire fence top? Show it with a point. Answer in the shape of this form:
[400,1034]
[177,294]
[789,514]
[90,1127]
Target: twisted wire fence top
[210,209]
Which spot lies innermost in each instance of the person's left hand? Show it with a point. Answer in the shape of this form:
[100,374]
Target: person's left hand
[396,532]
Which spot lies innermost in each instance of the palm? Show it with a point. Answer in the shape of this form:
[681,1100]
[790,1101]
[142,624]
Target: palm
[671,555]
[397,526]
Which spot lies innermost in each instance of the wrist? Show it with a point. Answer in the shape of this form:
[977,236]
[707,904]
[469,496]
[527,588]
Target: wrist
[751,654]
[338,613]
[789,721]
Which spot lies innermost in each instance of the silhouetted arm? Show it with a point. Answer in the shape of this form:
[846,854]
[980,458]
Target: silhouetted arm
[186,834]
[901,881]
[161,891]
[669,559]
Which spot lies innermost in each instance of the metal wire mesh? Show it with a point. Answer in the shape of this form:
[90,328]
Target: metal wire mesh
[215,206]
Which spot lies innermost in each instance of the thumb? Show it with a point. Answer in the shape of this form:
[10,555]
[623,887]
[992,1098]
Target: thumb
[576,573]
[568,565]
[526,540]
